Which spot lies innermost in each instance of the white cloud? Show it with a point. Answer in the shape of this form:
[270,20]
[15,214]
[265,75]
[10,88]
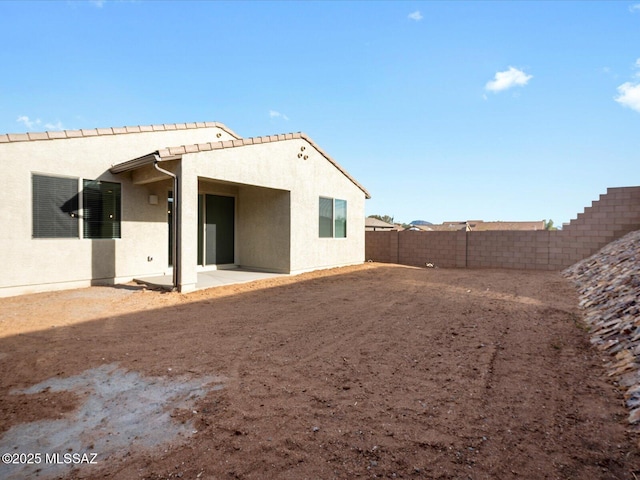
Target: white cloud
[634,8]
[97,3]
[417,16]
[27,122]
[275,114]
[37,124]
[54,126]
[508,79]
[629,95]
[629,92]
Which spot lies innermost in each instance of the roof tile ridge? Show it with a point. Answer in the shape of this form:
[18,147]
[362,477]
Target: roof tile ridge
[177,150]
[18,137]
[100,131]
[38,136]
[204,147]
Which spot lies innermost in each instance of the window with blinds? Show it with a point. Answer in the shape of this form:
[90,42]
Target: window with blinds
[54,207]
[326,217]
[101,209]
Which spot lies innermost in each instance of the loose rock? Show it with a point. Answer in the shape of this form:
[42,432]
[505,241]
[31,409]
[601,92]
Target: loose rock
[609,287]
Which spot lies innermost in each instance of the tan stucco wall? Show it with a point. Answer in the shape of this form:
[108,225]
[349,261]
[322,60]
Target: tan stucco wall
[264,229]
[43,264]
[262,224]
[276,188]
[276,165]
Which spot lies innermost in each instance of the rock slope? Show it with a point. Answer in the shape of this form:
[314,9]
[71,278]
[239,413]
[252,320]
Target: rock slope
[609,287]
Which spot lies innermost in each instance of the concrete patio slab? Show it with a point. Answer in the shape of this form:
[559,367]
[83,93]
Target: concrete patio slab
[212,278]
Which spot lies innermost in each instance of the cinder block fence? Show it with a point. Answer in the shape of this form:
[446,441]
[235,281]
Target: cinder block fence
[612,216]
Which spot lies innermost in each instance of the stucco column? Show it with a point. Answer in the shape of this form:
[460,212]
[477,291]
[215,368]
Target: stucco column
[188,228]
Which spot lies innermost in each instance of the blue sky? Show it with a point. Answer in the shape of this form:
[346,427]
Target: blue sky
[442,110]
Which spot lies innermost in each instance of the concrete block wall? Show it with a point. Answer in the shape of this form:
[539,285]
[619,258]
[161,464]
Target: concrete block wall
[509,249]
[381,246]
[612,216]
[445,249]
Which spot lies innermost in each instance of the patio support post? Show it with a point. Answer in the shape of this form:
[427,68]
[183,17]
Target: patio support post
[187,208]
[176,221]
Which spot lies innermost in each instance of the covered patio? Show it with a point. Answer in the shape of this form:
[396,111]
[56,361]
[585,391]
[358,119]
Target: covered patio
[211,278]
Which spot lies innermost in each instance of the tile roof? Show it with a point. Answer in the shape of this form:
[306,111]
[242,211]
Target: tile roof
[377,223]
[93,132]
[174,152]
[445,227]
[239,142]
[171,152]
[480,226]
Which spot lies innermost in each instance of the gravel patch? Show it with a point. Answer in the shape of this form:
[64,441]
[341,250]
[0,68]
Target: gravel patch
[118,409]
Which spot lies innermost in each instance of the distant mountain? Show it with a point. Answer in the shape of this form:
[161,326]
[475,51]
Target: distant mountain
[421,222]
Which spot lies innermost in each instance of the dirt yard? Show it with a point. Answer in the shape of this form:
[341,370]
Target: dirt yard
[375,371]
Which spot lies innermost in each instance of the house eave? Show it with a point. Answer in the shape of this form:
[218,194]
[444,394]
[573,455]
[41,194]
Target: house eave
[140,162]
[93,132]
[176,153]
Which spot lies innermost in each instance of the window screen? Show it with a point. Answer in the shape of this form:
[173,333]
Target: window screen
[101,206]
[54,207]
[340,214]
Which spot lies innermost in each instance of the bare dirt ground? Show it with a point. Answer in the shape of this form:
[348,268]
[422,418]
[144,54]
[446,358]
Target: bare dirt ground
[375,371]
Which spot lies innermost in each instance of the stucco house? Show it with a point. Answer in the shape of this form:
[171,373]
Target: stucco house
[103,206]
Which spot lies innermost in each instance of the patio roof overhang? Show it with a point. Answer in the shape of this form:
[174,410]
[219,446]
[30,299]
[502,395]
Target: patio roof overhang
[143,161]
[145,169]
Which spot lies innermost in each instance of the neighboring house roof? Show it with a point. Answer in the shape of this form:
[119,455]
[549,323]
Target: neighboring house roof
[479,225]
[174,151]
[482,226]
[371,223]
[444,227]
